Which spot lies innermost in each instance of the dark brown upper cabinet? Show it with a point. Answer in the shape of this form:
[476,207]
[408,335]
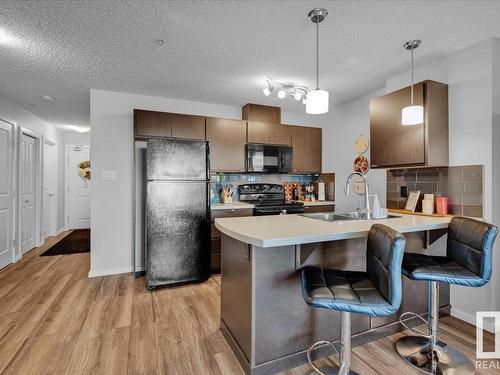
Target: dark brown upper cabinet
[264,125]
[306,144]
[227,144]
[395,145]
[262,113]
[152,124]
[188,127]
[149,124]
[257,132]
[280,135]
[260,132]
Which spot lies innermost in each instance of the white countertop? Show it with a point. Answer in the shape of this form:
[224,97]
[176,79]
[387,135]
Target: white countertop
[317,203]
[236,205]
[282,230]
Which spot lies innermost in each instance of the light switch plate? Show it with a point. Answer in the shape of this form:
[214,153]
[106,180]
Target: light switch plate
[110,175]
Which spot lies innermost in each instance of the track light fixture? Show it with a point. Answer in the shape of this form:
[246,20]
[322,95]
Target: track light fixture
[317,100]
[297,92]
[268,90]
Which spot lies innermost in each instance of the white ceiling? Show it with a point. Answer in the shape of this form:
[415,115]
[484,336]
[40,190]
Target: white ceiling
[220,52]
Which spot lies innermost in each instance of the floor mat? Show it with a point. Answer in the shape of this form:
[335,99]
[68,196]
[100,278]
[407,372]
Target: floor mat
[76,242]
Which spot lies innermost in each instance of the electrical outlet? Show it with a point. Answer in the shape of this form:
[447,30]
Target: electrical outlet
[404,191]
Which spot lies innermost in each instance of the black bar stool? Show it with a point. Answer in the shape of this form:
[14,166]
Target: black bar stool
[376,292]
[468,262]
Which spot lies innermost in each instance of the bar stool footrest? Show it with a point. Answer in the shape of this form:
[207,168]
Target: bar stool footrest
[326,370]
[412,315]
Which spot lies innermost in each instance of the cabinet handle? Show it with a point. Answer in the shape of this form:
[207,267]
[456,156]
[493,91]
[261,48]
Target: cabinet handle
[374,166]
[247,253]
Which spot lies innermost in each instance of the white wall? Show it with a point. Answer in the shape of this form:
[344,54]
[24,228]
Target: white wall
[469,74]
[75,138]
[341,127]
[24,118]
[111,117]
[496,167]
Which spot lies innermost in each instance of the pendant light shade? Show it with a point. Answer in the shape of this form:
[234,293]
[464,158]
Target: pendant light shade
[317,102]
[413,114]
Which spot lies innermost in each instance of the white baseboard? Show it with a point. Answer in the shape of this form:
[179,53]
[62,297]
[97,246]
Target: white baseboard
[469,318]
[107,272]
[114,271]
[59,231]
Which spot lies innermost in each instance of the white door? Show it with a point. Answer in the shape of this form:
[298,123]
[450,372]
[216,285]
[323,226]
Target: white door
[27,174]
[77,189]
[6,217]
[49,200]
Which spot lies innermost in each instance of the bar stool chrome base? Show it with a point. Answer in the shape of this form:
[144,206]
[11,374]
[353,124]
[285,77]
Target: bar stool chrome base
[445,360]
[332,371]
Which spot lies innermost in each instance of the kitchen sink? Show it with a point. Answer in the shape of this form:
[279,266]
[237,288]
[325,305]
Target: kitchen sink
[341,216]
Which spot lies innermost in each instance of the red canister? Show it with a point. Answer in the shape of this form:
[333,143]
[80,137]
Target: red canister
[442,205]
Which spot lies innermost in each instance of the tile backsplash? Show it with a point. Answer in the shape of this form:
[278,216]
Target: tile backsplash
[463,185]
[217,180]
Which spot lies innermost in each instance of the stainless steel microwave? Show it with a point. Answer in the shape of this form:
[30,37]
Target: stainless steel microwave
[268,158]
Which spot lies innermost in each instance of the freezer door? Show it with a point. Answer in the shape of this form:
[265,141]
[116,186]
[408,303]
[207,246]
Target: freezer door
[176,159]
[177,233]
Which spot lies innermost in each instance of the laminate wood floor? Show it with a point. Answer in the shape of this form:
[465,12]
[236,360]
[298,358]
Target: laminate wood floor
[55,320]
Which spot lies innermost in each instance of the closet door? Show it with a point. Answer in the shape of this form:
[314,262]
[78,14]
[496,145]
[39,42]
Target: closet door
[27,174]
[5,194]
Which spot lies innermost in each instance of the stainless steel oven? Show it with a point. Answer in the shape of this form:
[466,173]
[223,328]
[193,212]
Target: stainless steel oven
[268,158]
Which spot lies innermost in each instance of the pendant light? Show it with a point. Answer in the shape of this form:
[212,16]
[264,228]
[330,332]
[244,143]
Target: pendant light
[413,114]
[317,101]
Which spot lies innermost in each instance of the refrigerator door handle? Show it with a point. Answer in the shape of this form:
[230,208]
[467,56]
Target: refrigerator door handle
[209,198]
[208,161]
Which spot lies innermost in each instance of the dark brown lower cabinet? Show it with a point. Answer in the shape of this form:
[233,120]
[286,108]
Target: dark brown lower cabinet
[216,235]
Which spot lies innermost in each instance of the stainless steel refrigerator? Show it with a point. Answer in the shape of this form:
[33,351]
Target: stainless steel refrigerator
[177,212]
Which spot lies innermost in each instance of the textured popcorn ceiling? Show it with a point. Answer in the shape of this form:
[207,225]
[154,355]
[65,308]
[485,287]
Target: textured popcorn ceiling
[219,52]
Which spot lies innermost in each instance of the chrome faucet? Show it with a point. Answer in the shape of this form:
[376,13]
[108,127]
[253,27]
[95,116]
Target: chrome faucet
[367,193]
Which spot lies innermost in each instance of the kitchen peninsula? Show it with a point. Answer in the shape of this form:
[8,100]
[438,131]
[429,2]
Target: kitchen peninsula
[263,315]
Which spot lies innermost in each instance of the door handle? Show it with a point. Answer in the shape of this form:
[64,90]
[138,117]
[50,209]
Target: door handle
[26,201]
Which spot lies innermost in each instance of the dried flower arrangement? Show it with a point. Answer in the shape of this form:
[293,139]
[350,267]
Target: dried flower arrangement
[84,169]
